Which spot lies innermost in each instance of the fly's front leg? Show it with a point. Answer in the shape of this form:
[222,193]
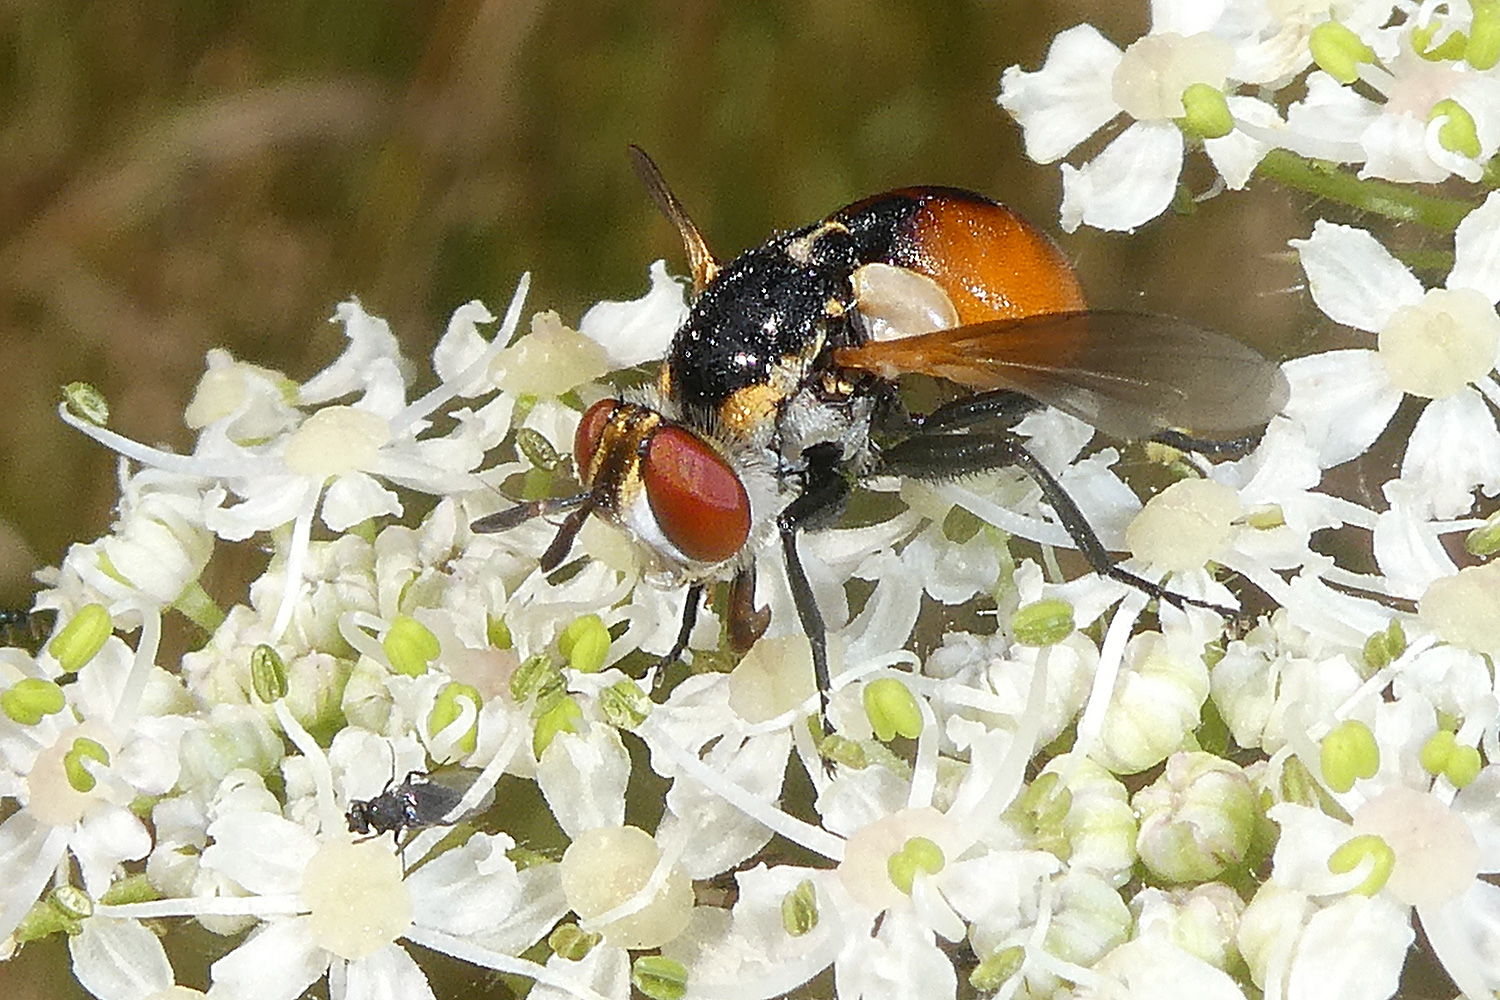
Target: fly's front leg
[822,498]
[689,619]
[946,456]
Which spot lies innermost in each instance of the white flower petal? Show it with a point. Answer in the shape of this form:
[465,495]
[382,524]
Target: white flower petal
[370,340]
[1132,181]
[389,974]
[1476,250]
[119,960]
[1453,449]
[1465,934]
[640,330]
[1353,950]
[355,497]
[1068,99]
[1342,400]
[1409,552]
[277,962]
[1331,118]
[264,853]
[583,778]
[1353,279]
[1236,155]
[461,345]
[1396,150]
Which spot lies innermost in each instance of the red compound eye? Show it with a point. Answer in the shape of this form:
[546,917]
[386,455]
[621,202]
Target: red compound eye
[590,430]
[699,502]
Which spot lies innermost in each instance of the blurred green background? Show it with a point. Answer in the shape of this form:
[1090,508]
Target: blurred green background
[187,174]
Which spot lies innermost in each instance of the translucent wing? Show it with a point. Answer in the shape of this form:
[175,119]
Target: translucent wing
[1129,374]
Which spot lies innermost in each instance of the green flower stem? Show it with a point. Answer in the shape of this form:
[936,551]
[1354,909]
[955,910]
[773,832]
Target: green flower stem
[1393,201]
[199,608]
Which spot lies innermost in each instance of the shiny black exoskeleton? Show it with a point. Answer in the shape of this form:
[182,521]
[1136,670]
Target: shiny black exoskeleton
[421,799]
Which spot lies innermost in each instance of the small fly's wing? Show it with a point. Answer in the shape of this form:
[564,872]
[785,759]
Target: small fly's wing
[1130,375]
[700,258]
[434,795]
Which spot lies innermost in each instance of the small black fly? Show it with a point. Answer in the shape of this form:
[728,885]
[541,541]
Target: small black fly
[421,799]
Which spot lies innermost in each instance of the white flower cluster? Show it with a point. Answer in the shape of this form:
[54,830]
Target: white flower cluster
[1062,796]
[1408,91]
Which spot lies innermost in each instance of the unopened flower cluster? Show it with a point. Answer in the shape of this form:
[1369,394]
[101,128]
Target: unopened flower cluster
[1073,792]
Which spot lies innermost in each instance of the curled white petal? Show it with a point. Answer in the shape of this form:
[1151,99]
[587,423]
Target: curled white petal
[1132,181]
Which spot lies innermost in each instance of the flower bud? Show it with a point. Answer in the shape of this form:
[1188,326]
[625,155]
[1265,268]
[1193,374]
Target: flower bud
[1197,819]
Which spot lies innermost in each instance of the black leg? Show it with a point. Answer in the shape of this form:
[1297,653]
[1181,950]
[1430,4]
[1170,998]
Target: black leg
[943,456]
[823,496]
[689,619]
[1001,404]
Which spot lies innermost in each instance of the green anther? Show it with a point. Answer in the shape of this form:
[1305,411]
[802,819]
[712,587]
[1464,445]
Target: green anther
[267,674]
[410,646]
[572,942]
[1347,753]
[584,644]
[1437,750]
[28,700]
[799,909]
[1338,51]
[536,676]
[1266,517]
[83,749]
[993,973]
[1485,540]
[87,402]
[1351,853]
[918,855]
[562,717]
[842,750]
[1454,45]
[81,639]
[892,709]
[659,977]
[130,889]
[448,708]
[498,633]
[1206,112]
[1043,623]
[536,449]
[1463,766]
[1483,49]
[1458,133]
[1383,647]
[71,901]
[624,705]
